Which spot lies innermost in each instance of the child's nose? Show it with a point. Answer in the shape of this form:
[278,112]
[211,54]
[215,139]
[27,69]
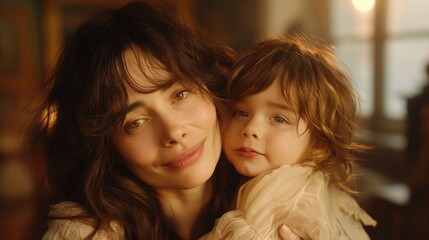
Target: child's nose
[251,131]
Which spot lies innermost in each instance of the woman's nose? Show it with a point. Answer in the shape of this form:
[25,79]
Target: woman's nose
[173,131]
[174,136]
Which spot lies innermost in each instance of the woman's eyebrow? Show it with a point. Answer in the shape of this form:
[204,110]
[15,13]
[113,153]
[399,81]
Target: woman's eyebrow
[163,87]
[135,105]
[167,84]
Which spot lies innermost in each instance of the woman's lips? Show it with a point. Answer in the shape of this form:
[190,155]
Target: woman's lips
[187,157]
[247,152]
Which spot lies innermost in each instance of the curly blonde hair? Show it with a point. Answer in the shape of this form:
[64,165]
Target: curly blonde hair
[318,91]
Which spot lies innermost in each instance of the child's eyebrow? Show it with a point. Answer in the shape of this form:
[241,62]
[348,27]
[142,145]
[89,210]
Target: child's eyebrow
[283,106]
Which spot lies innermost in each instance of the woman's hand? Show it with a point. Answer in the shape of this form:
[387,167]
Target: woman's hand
[287,234]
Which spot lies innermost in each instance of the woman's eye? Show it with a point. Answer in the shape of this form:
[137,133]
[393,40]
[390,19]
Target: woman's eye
[239,113]
[279,119]
[134,124]
[180,95]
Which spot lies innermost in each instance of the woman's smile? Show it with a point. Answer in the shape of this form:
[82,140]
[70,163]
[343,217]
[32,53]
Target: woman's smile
[187,158]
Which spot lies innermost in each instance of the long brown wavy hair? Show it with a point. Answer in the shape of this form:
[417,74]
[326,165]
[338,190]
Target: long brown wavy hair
[318,92]
[85,103]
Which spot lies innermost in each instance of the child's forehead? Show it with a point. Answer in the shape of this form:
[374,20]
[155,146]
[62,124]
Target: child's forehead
[274,93]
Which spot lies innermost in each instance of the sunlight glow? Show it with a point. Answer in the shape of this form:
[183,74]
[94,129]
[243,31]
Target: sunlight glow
[364,5]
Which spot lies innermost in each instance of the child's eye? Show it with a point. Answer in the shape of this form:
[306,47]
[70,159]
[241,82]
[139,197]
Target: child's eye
[180,95]
[240,113]
[279,119]
[130,126]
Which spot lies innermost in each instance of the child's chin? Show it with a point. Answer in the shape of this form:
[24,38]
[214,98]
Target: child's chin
[247,172]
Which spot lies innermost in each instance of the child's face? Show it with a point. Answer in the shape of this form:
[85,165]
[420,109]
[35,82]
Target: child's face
[264,133]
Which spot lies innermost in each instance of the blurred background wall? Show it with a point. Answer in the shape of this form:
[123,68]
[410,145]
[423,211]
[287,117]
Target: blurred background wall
[384,45]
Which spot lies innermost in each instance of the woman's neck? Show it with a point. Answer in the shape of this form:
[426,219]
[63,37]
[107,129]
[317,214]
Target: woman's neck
[186,207]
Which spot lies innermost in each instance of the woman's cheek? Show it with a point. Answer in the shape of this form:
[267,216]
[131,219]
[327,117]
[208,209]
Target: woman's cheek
[136,149]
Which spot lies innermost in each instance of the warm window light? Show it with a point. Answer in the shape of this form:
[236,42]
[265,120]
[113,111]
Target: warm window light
[364,5]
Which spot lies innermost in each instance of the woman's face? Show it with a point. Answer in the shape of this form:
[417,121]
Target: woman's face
[170,138]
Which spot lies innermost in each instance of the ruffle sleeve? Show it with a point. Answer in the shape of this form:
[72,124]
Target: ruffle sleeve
[349,206]
[351,217]
[65,228]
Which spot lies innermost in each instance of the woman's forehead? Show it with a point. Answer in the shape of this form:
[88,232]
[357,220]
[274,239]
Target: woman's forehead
[145,70]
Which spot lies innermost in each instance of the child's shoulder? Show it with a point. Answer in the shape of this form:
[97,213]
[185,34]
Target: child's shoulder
[285,172]
[284,182]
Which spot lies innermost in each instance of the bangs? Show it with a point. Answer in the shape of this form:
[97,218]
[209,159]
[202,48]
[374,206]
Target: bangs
[253,75]
[158,75]
[248,79]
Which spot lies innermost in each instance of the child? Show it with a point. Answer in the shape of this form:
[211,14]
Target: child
[292,129]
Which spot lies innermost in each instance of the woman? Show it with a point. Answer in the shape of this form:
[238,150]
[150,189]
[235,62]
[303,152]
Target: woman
[130,130]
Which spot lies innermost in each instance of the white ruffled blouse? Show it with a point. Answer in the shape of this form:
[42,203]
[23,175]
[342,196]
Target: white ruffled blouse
[76,229]
[299,197]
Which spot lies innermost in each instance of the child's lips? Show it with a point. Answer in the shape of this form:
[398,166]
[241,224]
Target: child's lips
[247,152]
